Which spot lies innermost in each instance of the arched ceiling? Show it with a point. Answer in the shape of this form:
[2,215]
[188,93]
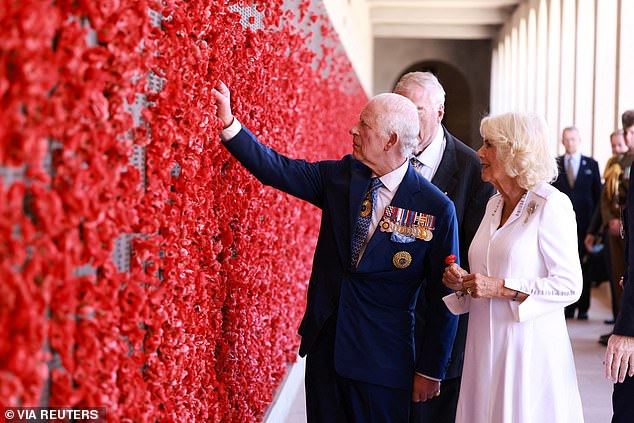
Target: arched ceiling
[440,19]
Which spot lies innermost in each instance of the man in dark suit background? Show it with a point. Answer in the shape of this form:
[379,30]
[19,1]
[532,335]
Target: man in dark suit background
[384,230]
[619,356]
[455,169]
[579,179]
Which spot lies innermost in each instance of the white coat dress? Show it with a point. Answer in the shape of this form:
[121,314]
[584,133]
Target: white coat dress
[518,365]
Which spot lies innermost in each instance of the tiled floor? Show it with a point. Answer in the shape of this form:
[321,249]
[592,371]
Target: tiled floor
[595,390]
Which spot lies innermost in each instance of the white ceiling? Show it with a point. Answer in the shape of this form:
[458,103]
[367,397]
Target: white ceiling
[447,19]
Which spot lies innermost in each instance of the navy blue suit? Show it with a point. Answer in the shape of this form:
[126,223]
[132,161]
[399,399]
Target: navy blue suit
[459,177]
[622,403]
[585,197]
[360,321]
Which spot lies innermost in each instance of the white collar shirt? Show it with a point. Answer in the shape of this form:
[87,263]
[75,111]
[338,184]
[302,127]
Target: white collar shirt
[391,181]
[431,156]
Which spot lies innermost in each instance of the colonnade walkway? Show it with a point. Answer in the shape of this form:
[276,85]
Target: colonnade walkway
[596,390]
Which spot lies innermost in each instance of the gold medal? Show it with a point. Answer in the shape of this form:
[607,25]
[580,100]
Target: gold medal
[366,208]
[385,226]
[402,259]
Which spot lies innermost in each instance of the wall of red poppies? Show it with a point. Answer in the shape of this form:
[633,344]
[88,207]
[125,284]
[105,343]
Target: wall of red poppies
[141,268]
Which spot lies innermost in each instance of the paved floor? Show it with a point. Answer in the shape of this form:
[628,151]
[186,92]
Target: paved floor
[595,390]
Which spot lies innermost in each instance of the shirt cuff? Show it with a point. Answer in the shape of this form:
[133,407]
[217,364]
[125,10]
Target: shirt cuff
[428,377]
[514,284]
[231,130]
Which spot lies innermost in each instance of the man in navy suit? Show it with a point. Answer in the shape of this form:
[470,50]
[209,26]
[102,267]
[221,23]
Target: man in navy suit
[579,179]
[455,169]
[384,230]
[619,356]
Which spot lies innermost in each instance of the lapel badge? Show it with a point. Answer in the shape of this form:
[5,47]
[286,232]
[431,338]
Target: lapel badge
[402,259]
[530,209]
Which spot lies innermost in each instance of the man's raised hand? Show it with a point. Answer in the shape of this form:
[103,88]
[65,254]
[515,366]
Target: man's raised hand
[223,104]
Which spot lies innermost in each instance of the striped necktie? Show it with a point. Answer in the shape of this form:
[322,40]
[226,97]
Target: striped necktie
[418,166]
[364,219]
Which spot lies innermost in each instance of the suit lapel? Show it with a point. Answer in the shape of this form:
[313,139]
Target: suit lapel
[583,165]
[562,171]
[359,184]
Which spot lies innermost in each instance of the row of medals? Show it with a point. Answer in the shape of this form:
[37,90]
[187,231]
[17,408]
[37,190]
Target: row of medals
[419,232]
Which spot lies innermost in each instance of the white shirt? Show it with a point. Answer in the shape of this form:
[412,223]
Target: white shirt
[231,130]
[391,181]
[431,156]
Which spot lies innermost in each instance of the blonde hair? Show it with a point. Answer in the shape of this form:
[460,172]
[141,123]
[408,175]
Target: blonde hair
[521,143]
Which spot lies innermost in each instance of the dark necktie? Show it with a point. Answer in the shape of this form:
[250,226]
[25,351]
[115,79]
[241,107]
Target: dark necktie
[364,219]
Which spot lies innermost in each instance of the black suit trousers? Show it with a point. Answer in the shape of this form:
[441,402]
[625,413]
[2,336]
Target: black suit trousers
[622,401]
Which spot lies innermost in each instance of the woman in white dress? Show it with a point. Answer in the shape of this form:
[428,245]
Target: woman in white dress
[518,365]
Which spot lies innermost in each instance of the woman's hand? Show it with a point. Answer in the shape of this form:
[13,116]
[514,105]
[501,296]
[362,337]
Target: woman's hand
[480,286]
[452,278]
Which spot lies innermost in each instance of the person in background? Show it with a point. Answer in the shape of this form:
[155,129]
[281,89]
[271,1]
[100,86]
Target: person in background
[619,355]
[384,230]
[613,199]
[525,269]
[454,168]
[579,179]
[605,226]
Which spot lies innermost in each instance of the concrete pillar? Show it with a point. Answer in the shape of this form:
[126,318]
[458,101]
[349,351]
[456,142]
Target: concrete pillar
[625,58]
[584,74]
[567,72]
[554,64]
[542,58]
[605,76]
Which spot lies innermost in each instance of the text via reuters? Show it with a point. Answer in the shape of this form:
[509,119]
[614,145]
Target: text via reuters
[54,414]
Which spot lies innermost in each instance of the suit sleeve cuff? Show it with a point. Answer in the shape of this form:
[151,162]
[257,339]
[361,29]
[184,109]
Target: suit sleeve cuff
[428,377]
[231,130]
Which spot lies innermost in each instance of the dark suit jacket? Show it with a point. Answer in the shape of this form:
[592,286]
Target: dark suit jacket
[459,177]
[625,320]
[373,303]
[584,196]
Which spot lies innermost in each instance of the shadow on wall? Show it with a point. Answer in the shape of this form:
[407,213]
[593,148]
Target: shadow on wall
[458,103]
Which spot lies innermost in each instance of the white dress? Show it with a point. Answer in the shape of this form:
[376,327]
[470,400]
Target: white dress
[518,365]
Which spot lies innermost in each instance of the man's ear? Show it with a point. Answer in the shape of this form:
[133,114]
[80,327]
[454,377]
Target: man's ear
[441,112]
[391,142]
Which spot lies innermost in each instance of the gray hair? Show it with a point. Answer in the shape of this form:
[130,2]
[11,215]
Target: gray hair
[570,128]
[424,80]
[401,118]
[521,143]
